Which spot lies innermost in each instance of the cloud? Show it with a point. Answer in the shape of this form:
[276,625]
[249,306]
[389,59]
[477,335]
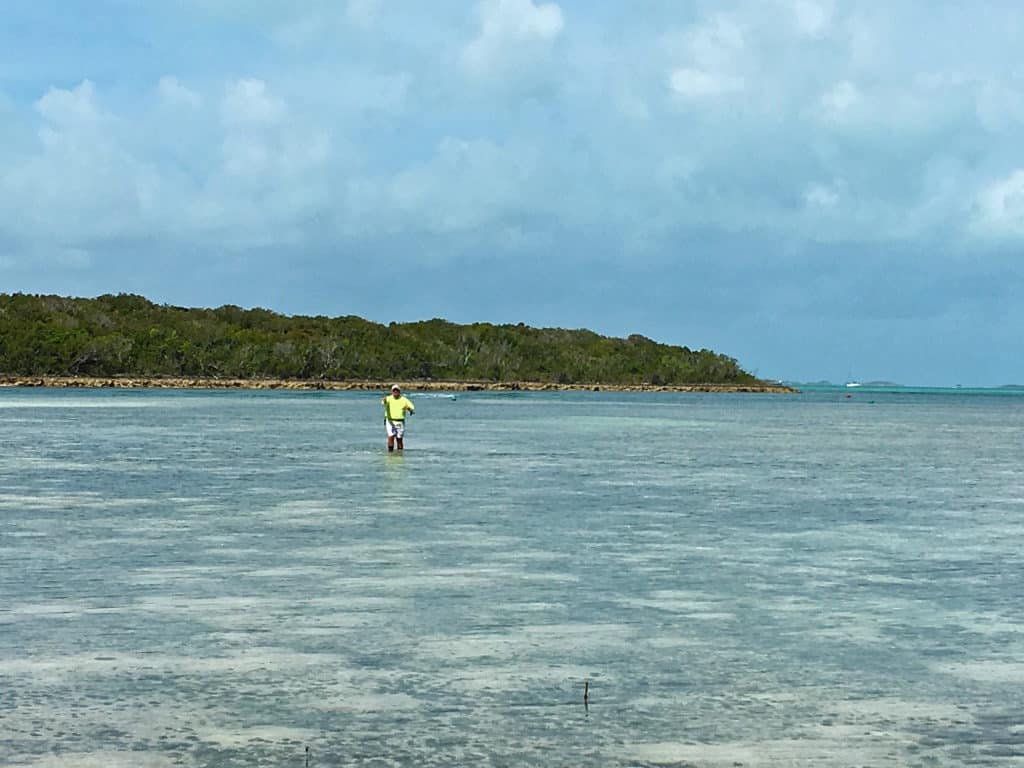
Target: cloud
[695,83]
[711,58]
[463,187]
[248,101]
[273,177]
[840,102]
[780,102]
[821,196]
[173,94]
[80,182]
[254,177]
[76,107]
[512,32]
[276,156]
[1000,207]
[813,19]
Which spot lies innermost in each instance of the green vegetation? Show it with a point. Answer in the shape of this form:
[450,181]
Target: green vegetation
[127,335]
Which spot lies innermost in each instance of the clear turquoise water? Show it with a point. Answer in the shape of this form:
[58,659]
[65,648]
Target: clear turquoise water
[226,579]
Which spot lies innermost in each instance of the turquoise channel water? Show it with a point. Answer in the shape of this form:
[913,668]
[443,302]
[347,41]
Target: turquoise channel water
[198,578]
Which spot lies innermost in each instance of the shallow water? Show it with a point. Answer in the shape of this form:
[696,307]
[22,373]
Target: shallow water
[230,578]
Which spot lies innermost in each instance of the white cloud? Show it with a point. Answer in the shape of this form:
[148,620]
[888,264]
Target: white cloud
[806,107]
[812,18]
[464,186]
[273,179]
[841,101]
[246,156]
[79,181]
[1001,206]
[285,155]
[695,83]
[711,59]
[263,139]
[173,94]
[509,31]
[248,101]
[821,196]
[95,175]
[75,107]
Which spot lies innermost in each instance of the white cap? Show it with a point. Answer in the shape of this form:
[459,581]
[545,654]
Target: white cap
[394,387]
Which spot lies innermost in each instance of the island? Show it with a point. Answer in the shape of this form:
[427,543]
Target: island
[125,340]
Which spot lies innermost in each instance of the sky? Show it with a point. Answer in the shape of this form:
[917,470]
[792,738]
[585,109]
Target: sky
[822,190]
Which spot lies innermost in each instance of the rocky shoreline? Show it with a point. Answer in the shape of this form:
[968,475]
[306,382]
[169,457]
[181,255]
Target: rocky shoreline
[132,382]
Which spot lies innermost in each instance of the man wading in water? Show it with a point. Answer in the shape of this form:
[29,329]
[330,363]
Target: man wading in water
[395,407]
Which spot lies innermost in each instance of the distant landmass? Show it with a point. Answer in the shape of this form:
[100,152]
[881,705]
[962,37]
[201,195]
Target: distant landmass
[897,386]
[823,383]
[126,335]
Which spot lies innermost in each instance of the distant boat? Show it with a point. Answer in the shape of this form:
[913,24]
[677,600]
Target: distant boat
[853,383]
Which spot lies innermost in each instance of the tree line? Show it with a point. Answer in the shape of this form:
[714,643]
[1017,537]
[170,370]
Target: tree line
[128,335]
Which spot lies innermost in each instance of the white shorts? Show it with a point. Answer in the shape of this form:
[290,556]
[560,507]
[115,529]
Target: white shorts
[394,428]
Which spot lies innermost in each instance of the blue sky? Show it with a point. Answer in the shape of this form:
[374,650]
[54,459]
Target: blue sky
[819,189]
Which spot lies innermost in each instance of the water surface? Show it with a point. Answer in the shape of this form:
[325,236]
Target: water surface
[229,578]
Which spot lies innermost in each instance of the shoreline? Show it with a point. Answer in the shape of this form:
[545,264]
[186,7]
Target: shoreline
[197,382]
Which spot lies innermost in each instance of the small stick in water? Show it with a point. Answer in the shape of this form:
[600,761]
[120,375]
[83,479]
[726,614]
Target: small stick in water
[586,693]
[307,757]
